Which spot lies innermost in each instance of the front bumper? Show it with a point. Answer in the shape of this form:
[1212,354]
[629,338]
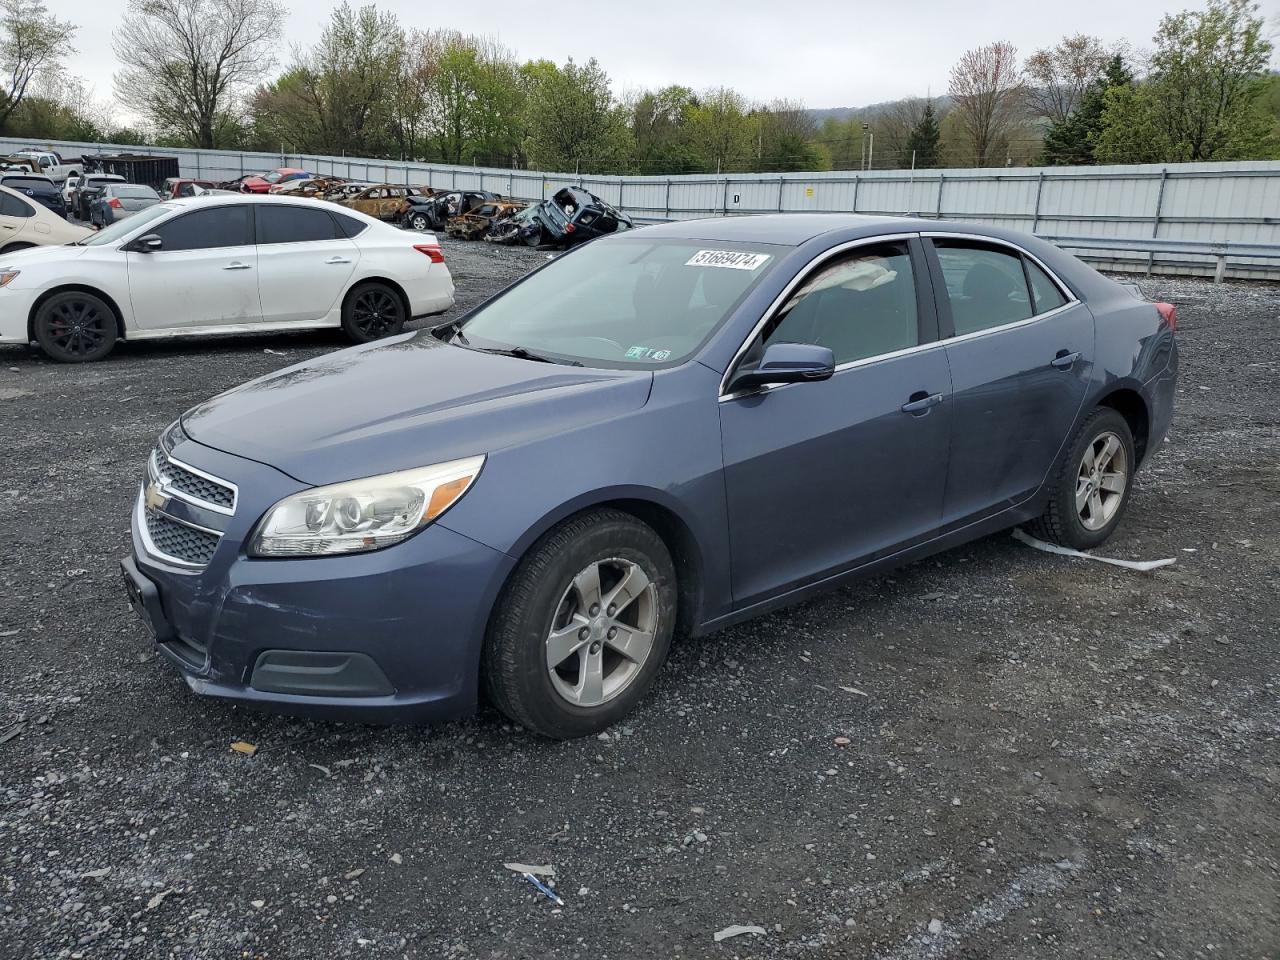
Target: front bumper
[15,310]
[389,636]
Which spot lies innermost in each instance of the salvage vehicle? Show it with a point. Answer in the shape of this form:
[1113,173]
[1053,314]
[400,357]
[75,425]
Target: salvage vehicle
[433,211]
[574,215]
[38,187]
[658,434]
[519,228]
[175,188]
[261,183]
[48,163]
[119,201]
[24,223]
[233,263]
[474,225]
[91,184]
[383,200]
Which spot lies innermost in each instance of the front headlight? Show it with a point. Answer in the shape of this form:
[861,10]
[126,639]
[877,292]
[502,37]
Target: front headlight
[362,515]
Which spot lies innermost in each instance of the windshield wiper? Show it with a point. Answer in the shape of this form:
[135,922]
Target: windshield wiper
[522,354]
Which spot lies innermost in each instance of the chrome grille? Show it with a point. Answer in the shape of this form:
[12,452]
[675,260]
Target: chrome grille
[177,479]
[179,541]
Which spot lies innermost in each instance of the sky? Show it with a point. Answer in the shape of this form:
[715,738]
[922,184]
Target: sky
[827,53]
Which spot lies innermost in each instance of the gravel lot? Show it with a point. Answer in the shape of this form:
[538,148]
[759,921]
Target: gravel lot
[1046,757]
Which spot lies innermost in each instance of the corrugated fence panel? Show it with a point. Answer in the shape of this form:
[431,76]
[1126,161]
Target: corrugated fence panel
[1202,201]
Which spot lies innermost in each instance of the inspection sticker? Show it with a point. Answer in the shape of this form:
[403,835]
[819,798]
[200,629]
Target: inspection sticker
[731,259]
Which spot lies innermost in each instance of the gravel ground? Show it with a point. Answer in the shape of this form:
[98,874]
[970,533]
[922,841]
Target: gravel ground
[1045,757]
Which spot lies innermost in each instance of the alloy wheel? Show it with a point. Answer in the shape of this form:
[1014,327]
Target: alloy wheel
[420,223]
[78,327]
[1101,481]
[603,630]
[376,313]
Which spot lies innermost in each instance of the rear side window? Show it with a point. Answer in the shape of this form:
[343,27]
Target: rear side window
[859,305]
[985,286]
[208,229]
[348,226]
[1045,295]
[288,224]
[11,206]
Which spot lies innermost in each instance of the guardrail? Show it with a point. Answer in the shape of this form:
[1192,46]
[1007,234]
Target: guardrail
[1220,250]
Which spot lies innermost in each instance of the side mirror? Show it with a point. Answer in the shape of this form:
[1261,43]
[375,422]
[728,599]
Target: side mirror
[786,363]
[148,244]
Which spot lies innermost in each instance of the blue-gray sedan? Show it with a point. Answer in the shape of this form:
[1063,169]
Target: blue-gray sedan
[659,434]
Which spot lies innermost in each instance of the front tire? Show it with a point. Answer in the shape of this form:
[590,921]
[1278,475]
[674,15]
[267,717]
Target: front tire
[75,327]
[419,222]
[1090,491]
[581,630]
[373,311]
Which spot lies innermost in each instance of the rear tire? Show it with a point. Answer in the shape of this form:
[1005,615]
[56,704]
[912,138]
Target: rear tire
[373,311]
[555,658]
[76,327]
[1090,490]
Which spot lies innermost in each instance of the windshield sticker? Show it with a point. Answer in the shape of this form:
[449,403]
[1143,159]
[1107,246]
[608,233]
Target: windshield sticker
[648,353]
[730,259]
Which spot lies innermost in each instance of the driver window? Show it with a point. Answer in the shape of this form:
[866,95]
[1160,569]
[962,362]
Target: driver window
[860,305]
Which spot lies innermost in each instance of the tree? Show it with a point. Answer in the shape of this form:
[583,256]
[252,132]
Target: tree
[573,121]
[1074,140]
[1060,76]
[986,89]
[31,41]
[1203,98]
[660,130]
[893,125]
[720,130]
[784,137]
[922,144]
[187,64]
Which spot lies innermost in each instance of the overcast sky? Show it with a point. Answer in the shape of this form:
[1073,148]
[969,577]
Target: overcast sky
[828,53]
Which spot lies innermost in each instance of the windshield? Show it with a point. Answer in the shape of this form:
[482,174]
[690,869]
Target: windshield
[123,228]
[273,176]
[29,183]
[625,302]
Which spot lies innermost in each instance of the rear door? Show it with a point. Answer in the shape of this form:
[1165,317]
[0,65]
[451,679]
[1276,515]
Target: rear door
[204,275]
[1020,348]
[304,262]
[823,477]
[15,217]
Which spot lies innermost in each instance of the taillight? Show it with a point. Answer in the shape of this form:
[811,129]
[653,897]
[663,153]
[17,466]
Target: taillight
[569,228]
[1169,314]
[432,250]
[114,203]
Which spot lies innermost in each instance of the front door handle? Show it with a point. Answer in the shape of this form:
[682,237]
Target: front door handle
[1064,360]
[921,402]
[337,260]
[237,266]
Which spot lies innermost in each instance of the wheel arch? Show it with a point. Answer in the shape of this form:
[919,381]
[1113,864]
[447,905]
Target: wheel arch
[385,281]
[1128,401]
[664,517]
[121,330]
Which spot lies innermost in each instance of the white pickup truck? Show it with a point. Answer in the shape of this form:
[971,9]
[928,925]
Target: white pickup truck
[48,163]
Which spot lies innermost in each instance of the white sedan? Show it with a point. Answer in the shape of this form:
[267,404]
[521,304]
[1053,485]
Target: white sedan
[221,264]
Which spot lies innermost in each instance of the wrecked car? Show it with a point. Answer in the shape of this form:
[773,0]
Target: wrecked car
[383,201]
[434,212]
[476,224]
[574,215]
[522,227]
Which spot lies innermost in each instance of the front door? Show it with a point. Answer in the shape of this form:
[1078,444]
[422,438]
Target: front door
[1021,351]
[15,216]
[204,275]
[304,262]
[822,477]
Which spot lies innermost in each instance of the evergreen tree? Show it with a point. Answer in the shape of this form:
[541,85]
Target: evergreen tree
[1072,141]
[923,141]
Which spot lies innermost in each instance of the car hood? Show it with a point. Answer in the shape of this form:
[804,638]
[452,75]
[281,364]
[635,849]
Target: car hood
[34,255]
[405,402]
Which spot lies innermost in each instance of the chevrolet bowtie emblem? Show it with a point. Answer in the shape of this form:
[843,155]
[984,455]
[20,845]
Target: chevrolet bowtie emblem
[154,498]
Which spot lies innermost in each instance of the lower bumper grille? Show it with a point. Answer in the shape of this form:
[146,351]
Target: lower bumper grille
[179,541]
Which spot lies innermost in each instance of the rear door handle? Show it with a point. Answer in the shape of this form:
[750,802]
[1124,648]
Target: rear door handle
[337,260]
[237,266]
[921,402]
[1064,360]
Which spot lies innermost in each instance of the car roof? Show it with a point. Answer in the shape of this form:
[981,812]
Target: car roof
[786,229]
[207,200]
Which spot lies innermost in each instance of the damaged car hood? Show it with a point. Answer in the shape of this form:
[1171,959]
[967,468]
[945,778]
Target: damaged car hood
[405,402]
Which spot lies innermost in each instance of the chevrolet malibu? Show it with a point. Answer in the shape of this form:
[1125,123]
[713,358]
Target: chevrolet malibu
[659,434]
[218,265]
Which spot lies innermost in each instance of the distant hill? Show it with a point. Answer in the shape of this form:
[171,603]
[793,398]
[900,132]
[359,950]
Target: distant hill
[820,116]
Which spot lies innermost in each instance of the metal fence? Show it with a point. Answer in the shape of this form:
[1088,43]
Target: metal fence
[1237,203]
